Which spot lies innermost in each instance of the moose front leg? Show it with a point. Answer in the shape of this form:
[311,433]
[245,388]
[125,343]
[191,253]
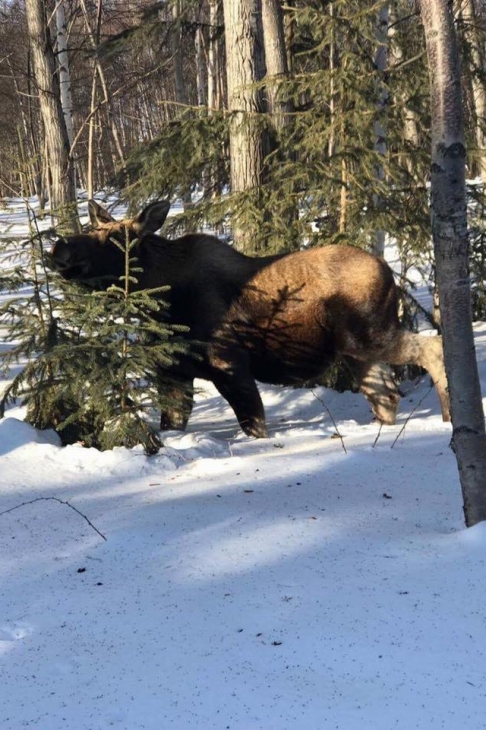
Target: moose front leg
[235,383]
[245,400]
[177,397]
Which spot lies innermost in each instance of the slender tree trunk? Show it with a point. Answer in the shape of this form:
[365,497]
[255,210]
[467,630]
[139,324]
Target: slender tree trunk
[179,81]
[275,62]
[215,93]
[94,40]
[279,106]
[63,199]
[27,155]
[475,40]
[289,23]
[331,149]
[200,68]
[244,67]
[381,63]
[65,77]
[343,207]
[176,44]
[34,123]
[64,73]
[343,196]
[91,131]
[449,230]
[410,118]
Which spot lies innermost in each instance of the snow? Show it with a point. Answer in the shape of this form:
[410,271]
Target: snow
[236,584]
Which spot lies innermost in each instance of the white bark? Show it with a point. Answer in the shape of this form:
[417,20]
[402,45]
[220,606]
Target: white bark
[449,230]
[64,73]
[381,63]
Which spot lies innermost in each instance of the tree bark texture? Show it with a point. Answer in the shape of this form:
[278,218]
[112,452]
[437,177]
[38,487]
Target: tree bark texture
[471,23]
[64,72]
[63,201]
[275,61]
[244,67]
[449,230]
[215,85]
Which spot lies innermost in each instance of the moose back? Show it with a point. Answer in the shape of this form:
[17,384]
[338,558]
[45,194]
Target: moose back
[278,319]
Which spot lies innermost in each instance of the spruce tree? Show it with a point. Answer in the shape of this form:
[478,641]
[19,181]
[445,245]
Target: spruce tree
[101,363]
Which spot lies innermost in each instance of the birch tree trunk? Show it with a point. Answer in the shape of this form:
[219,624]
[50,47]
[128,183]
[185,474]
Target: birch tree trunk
[381,64]
[331,148]
[449,230]
[179,81]
[95,39]
[64,74]
[63,199]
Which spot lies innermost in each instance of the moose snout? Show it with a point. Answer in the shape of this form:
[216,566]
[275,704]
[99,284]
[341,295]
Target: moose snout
[68,260]
[63,256]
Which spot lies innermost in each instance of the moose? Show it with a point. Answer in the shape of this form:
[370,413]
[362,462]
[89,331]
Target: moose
[281,319]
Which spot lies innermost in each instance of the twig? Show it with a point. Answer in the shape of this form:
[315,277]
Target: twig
[410,415]
[331,417]
[54,499]
[377,435]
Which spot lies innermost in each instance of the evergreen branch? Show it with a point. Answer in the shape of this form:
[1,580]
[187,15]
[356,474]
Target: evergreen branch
[406,62]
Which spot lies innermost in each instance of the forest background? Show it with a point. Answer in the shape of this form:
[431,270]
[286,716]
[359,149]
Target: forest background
[314,127]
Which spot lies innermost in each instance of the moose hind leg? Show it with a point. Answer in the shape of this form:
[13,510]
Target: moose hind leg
[178,394]
[376,382]
[411,348]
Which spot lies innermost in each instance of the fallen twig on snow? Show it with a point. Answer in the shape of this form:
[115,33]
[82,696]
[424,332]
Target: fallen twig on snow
[54,499]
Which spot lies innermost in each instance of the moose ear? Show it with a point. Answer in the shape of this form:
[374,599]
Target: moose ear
[97,214]
[152,217]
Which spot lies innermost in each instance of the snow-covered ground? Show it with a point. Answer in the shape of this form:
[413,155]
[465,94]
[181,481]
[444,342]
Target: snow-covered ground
[234,584]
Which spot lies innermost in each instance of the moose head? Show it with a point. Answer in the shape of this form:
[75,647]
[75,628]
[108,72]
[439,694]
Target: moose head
[97,254]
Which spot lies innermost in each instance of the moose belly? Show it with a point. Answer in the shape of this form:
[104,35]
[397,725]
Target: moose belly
[287,356]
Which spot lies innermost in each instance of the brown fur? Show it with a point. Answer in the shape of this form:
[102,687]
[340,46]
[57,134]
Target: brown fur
[279,319]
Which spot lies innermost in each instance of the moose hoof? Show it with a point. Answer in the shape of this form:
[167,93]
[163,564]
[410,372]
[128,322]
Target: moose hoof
[256,430]
[173,422]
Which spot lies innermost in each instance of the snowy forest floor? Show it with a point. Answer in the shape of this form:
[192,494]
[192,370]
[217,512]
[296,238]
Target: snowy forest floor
[238,584]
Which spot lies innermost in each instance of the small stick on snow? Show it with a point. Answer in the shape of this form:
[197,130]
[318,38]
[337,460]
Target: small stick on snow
[410,415]
[54,499]
[331,417]
[377,435]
